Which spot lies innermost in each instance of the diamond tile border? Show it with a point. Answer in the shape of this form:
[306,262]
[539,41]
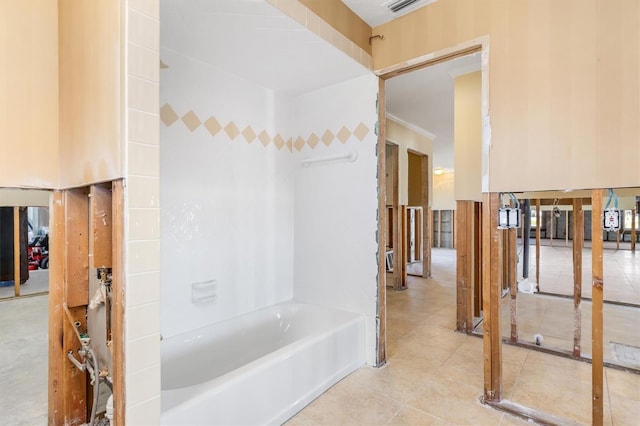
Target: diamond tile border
[192,122]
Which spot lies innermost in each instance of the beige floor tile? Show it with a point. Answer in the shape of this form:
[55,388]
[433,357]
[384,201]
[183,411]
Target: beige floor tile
[435,375]
[411,416]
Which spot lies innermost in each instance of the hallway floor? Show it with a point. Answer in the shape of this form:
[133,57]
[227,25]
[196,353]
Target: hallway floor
[23,360]
[435,376]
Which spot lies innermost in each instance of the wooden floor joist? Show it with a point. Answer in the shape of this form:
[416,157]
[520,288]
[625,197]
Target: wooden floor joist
[578,237]
[491,293]
[597,372]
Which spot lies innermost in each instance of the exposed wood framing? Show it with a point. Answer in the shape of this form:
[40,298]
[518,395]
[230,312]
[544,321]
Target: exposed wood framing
[77,250]
[101,226]
[404,251]
[16,251]
[512,269]
[426,219]
[477,260]
[578,237]
[551,221]
[118,292]
[396,225]
[597,372]
[381,321]
[453,229]
[464,266]
[439,228]
[56,314]
[566,228]
[539,223]
[633,230]
[491,296]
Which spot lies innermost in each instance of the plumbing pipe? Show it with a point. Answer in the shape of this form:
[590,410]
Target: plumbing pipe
[96,386]
[75,362]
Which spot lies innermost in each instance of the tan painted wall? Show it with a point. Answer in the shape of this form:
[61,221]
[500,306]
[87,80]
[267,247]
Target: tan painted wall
[467,136]
[90,91]
[343,19]
[443,196]
[28,94]
[407,139]
[564,84]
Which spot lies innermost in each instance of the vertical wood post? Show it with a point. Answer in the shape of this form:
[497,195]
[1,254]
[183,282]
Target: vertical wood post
[427,236]
[477,259]
[396,225]
[453,229]
[596,315]
[539,223]
[16,251]
[381,322]
[56,316]
[566,229]
[464,266]
[404,252]
[551,222]
[491,294]
[439,228]
[633,230]
[578,237]
[118,291]
[513,281]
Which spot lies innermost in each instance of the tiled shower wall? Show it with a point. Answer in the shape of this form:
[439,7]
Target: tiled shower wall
[336,201]
[227,195]
[142,299]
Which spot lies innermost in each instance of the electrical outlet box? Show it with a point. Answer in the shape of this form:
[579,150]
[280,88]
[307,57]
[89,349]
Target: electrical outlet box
[508,218]
[611,220]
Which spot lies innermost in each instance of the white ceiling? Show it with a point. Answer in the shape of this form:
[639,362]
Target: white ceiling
[376,12]
[424,98]
[255,41]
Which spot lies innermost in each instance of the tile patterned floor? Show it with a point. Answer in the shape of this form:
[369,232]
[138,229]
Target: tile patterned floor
[434,376]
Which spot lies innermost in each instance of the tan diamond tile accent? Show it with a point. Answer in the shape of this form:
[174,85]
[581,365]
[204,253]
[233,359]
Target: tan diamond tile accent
[249,134]
[327,138]
[168,115]
[264,138]
[299,143]
[278,141]
[231,130]
[212,125]
[290,144]
[361,131]
[343,134]
[191,120]
[313,140]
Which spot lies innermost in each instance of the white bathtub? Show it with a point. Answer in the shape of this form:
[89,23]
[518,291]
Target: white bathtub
[260,368]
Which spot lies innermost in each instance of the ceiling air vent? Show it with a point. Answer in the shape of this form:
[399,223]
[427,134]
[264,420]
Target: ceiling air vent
[397,8]
[397,5]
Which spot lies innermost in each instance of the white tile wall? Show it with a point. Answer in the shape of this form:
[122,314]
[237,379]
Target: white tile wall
[142,315]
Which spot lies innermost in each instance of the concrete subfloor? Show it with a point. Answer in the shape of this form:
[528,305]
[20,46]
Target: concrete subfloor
[38,282]
[24,361]
[435,376]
